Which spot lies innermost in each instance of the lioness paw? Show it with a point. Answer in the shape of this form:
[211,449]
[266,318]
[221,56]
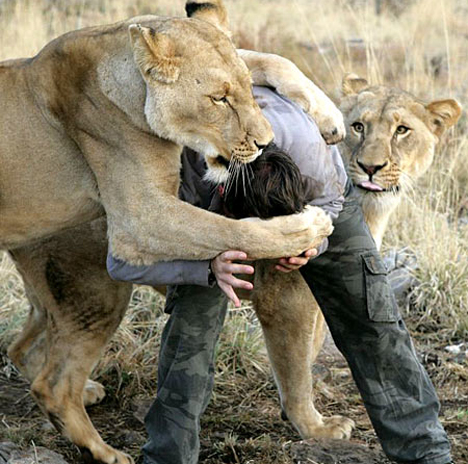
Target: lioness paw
[93,393]
[335,427]
[338,427]
[320,221]
[105,454]
[319,106]
[331,125]
[290,235]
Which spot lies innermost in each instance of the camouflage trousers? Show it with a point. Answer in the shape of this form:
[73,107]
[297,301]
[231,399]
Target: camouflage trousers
[350,284]
[185,373]
[349,281]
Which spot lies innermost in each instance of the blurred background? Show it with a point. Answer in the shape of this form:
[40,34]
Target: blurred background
[420,46]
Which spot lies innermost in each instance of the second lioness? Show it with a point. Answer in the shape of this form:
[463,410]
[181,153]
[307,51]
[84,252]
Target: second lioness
[391,135]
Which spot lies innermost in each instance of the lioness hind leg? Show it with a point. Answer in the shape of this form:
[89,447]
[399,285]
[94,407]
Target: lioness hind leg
[58,389]
[288,314]
[83,307]
[29,349]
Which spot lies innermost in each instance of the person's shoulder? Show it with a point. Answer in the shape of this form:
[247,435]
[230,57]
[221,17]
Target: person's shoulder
[268,97]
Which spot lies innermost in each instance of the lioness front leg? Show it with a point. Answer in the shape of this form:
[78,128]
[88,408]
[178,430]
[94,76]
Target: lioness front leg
[148,223]
[288,80]
[288,313]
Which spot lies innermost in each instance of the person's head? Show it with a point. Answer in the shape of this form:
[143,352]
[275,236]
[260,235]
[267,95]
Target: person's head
[269,186]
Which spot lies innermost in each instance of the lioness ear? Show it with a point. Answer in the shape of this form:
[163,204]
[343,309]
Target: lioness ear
[212,11]
[444,113]
[352,84]
[154,53]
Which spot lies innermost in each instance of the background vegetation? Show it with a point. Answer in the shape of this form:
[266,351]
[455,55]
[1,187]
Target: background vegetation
[420,46]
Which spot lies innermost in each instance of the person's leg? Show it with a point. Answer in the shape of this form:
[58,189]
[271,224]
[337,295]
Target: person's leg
[185,374]
[350,284]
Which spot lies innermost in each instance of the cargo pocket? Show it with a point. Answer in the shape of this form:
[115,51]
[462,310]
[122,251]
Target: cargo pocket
[381,304]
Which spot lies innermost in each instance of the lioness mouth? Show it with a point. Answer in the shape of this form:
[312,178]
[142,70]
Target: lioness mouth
[221,160]
[370,186]
[249,158]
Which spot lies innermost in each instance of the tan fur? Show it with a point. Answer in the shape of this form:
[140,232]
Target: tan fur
[98,118]
[284,76]
[405,157]
[293,327]
[93,126]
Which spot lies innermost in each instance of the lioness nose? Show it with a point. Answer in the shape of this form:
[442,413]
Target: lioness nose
[371,170]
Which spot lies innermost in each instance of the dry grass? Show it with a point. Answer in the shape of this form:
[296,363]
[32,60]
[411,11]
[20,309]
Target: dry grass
[422,50]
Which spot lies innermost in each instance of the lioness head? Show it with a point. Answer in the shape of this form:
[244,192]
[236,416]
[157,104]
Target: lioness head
[199,92]
[391,135]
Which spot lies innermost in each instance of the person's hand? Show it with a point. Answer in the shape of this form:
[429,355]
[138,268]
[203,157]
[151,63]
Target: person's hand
[293,264]
[223,268]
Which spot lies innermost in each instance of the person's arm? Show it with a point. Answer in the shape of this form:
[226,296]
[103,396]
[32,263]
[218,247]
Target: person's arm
[187,273]
[162,273]
[325,178]
[297,134]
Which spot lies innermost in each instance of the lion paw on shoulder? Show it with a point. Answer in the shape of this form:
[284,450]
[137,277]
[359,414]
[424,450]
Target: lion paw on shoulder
[320,107]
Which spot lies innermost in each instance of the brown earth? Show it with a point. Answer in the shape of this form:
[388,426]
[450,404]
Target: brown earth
[243,423]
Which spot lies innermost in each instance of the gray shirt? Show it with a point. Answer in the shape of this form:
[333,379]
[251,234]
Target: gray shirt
[296,134]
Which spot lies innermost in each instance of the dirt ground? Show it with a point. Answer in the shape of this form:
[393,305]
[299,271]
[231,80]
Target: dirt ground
[243,423]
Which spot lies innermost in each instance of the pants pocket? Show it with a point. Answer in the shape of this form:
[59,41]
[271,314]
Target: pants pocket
[381,304]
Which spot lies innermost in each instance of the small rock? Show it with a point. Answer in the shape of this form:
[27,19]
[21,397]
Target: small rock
[459,352]
[140,407]
[38,455]
[131,438]
[334,451]
[47,426]
[455,349]
[6,449]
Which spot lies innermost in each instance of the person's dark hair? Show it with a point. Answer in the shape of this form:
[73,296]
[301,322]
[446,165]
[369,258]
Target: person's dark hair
[272,186]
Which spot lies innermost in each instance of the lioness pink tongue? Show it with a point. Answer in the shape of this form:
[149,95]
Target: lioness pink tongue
[368,185]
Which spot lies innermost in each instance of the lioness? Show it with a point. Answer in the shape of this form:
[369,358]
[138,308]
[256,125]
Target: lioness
[391,135]
[390,142]
[106,112]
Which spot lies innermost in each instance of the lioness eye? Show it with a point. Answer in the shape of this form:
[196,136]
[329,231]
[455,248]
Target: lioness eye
[400,130]
[219,100]
[358,126]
